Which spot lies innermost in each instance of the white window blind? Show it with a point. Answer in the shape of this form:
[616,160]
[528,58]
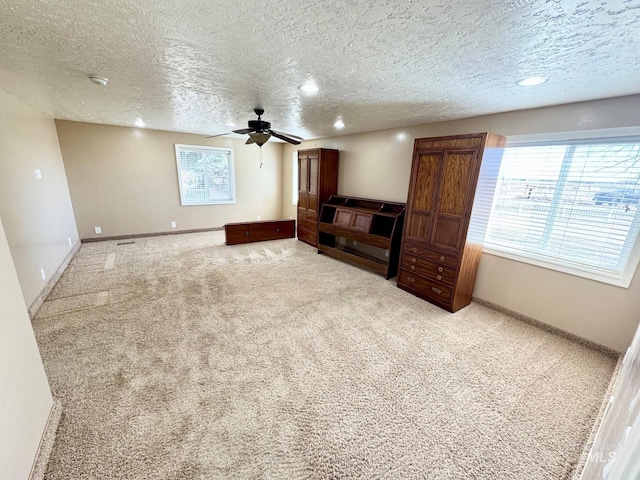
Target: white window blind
[205,175]
[567,204]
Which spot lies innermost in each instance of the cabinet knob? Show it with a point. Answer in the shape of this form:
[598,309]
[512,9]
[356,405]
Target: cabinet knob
[442,258]
[413,260]
[413,267]
[437,290]
[440,269]
[411,279]
[414,250]
[278,229]
[439,277]
[246,233]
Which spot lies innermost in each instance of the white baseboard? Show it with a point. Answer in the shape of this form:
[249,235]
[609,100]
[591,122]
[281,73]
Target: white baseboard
[41,460]
[37,303]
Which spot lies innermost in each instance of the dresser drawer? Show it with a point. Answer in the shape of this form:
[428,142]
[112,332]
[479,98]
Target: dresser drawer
[261,231]
[444,258]
[430,269]
[237,233]
[431,289]
[307,224]
[308,236]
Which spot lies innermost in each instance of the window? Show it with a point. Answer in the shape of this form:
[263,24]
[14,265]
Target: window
[572,206]
[294,178]
[205,175]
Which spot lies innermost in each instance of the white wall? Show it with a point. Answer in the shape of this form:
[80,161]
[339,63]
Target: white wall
[377,165]
[125,180]
[25,398]
[38,217]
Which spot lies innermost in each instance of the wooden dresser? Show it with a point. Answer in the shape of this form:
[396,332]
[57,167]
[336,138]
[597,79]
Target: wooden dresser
[317,181]
[438,261]
[247,232]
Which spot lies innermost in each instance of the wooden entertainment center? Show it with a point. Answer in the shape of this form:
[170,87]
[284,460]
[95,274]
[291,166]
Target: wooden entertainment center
[362,231]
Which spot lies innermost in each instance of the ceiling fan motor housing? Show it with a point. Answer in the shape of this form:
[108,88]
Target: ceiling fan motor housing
[259,125]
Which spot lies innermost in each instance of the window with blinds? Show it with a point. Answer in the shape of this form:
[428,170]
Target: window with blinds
[573,205]
[205,175]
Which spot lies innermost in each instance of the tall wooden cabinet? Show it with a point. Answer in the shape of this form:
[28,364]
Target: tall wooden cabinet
[317,181]
[439,261]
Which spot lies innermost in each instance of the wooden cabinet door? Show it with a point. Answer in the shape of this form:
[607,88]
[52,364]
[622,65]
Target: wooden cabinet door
[313,185]
[422,194]
[454,197]
[303,182]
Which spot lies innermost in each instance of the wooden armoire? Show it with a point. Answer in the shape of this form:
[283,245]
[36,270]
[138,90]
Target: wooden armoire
[317,181]
[438,261]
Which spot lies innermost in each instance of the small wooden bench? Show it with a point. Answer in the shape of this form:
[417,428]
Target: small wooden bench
[247,232]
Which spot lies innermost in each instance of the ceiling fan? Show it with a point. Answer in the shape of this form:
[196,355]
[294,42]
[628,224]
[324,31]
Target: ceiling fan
[260,132]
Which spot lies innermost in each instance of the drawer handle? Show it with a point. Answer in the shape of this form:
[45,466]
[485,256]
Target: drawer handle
[439,277]
[411,279]
[413,260]
[440,269]
[413,267]
[414,250]
[442,258]
[437,290]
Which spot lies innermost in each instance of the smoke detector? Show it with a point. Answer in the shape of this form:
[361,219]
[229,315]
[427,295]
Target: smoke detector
[98,80]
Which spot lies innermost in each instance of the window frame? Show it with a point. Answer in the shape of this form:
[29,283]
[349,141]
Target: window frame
[586,137]
[231,169]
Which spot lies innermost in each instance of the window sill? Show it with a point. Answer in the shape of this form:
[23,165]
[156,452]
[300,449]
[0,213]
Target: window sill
[623,281]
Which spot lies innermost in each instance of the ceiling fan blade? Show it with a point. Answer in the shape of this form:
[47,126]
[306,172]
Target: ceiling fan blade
[243,131]
[284,137]
[218,135]
[249,141]
[287,135]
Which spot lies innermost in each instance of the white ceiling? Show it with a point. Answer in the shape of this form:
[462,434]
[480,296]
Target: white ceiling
[194,65]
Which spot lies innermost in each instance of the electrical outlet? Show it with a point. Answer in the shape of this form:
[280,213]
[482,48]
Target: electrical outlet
[386,253]
[38,174]
[98,230]
[355,243]
[173,224]
[44,277]
[259,217]
[70,242]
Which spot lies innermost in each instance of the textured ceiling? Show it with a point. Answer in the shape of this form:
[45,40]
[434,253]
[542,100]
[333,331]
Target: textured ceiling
[194,65]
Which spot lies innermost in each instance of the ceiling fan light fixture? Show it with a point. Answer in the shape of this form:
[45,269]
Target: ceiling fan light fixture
[260,138]
[532,81]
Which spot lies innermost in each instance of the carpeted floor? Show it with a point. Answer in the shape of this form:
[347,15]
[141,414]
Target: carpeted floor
[179,357]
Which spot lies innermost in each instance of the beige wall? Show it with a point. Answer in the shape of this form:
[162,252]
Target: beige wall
[37,214]
[377,164]
[25,399]
[125,180]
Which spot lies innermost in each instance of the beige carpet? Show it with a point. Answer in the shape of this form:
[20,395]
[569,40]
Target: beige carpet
[180,357]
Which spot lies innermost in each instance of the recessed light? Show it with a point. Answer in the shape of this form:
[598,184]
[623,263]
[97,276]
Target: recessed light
[401,136]
[98,80]
[339,123]
[532,81]
[140,123]
[230,124]
[309,87]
